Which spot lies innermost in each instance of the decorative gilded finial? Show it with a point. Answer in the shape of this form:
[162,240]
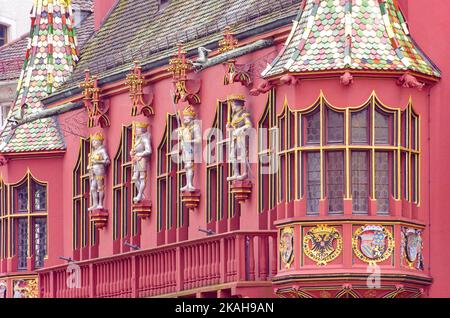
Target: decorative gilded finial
[140,124]
[66,3]
[229,42]
[189,111]
[97,136]
[179,64]
[236,97]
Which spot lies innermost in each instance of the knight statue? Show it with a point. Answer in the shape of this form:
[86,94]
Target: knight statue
[190,135]
[98,160]
[238,127]
[140,153]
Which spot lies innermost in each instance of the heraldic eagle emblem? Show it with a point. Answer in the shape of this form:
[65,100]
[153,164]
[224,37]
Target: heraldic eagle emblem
[322,244]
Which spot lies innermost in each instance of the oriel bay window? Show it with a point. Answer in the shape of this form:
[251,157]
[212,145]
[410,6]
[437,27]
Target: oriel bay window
[27,223]
[84,233]
[369,154]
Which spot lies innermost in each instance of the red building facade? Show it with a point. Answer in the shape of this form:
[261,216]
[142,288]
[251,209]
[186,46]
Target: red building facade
[345,192]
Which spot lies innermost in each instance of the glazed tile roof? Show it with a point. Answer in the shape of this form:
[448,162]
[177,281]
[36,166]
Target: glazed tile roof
[12,55]
[345,34]
[152,33]
[49,60]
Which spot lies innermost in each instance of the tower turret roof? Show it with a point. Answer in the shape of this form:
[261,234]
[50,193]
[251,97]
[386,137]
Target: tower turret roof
[50,59]
[361,35]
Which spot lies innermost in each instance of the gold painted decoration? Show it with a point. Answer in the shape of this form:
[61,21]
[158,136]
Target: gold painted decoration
[287,246]
[322,244]
[97,109]
[25,288]
[135,82]
[373,243]
[412,247]
[186,90]
[234,73]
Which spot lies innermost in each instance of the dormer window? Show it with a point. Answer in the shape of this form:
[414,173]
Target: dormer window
[4,34]
[163,4]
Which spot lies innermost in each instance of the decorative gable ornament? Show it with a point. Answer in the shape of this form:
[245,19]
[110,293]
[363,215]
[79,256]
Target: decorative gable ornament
[234,73]
[135,82]
[96,108]
[186,90]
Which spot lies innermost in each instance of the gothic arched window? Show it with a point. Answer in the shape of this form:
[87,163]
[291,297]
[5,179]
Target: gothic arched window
[28,223]
[126,224]
[172,214]
[220,206]
[83,231]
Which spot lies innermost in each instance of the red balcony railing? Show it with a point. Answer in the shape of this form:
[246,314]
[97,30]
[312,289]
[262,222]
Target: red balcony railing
[218,259]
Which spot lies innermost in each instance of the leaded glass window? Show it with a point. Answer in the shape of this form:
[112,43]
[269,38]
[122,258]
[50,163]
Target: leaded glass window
[40,197]
[40,241]
[358,154]
[313,182]
[335,181]
[382,182]
[335,127]
[313,128]
[22,243]
[381,128]
[360,126]
[22,198]
[360,181]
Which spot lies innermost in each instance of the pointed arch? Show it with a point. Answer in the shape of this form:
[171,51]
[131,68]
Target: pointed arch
[84,233]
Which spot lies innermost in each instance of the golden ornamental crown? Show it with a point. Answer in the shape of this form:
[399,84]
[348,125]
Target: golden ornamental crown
[236,97]
[189,111]
[140,124]
[97,136]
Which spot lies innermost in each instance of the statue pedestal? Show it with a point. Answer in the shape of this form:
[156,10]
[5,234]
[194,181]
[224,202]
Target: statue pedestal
[143,208]
[99,217]
[191,199]
[241,190]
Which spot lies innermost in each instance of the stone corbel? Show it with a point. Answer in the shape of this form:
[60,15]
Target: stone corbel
[408,80]
[96,108]
[143,209]
[346,79]
[186,89]
[262,88]
[141,96]
[99,217]
[241,190]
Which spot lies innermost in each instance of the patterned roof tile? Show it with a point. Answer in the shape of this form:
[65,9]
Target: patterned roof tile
[346,34]
[49,60]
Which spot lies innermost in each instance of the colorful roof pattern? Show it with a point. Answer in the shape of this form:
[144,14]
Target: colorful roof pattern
[12,55]
[49,60]
[350,34]
[153,32]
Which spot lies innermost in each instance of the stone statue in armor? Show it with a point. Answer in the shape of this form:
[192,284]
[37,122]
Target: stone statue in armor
[238,127]
[140,153]
[189,135]
[98,160]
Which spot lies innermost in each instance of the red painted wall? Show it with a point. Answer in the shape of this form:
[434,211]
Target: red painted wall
[101,11]
[425,17]
[428,21]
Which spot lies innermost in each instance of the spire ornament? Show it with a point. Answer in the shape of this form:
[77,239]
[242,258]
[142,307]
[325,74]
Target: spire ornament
[135,82]
[186,90]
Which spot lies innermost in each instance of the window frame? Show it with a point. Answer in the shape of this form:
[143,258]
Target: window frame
[11,217]
[395,147]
